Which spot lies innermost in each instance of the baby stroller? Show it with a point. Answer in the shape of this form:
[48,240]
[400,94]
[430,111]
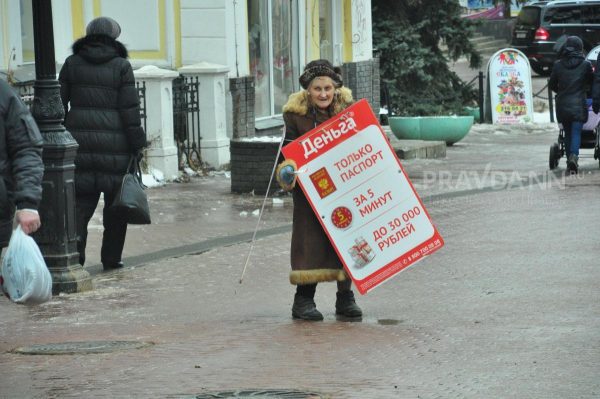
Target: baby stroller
[589,139]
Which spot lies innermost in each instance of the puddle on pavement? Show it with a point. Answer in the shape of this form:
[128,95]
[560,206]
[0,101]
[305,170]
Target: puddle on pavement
[338,322]
[82,347]
[261,394]
[388,322]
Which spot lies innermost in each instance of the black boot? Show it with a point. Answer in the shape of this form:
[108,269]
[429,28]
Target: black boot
[346,306]
[112,265]
[304,308]
[572,163]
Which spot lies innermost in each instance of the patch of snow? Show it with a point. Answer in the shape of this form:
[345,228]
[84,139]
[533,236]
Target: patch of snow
[264,139]
[189,171]
[277,202]
[151,181]
[541,117]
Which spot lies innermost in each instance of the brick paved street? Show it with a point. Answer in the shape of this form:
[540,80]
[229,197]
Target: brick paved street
[507,309]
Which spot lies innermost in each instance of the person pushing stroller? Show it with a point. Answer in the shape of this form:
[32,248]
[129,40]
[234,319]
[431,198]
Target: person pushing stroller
[571,78]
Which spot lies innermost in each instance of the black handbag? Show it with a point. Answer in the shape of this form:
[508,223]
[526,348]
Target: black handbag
[131,203]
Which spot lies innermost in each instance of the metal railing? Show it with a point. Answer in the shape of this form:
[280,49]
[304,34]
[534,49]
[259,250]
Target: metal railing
[481,95]
[386,98]
[26,92]
[141,88]
[186,121]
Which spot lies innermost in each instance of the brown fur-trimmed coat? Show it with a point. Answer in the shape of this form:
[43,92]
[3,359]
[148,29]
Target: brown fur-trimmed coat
[313,258]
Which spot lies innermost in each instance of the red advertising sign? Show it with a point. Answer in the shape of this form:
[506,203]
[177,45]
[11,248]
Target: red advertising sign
[364,200]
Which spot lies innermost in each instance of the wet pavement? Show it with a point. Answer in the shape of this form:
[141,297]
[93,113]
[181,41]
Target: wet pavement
[507,309]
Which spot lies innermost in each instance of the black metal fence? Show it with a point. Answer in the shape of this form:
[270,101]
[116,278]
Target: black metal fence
[141,87]
[386,98]
[25,90]
[186,121]
[186,116]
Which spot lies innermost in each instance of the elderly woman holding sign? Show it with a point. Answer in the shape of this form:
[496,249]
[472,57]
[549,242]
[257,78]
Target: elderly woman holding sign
[313,258]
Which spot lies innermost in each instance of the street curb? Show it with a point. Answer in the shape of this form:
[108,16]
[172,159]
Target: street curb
[220,242]
[415,149]
[418,149]
[193,249]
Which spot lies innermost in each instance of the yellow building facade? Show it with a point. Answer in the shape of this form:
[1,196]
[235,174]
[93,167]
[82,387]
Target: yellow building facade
[268,41]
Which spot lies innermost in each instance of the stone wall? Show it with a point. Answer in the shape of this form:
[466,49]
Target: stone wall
[242,96]
[363,79]
[252,160]
[252,165]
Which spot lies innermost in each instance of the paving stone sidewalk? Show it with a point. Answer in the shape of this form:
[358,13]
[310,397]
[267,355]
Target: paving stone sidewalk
[507,309]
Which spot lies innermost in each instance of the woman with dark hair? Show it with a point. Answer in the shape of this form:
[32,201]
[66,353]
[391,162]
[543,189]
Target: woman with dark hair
[313,258]
[103,114]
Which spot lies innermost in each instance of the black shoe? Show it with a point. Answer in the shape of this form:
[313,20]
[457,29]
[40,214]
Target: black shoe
[346,306]
[304,308]
[112,266]
[572,165]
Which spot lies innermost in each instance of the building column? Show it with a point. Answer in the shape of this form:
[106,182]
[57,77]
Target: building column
[162,151]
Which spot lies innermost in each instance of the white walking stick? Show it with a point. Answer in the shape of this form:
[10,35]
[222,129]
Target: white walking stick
[263,205]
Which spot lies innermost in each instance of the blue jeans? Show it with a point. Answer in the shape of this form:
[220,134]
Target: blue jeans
[572,137]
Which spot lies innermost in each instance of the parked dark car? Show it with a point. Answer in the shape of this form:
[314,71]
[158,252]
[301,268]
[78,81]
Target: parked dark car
[541,24]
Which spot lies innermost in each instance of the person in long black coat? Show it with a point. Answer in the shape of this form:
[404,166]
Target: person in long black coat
[103,115]
[571,79]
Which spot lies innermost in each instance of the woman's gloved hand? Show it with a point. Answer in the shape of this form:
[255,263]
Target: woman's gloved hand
[285,174]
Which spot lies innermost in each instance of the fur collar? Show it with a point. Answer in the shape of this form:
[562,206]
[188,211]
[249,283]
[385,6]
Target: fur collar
[298,102]
[100,41]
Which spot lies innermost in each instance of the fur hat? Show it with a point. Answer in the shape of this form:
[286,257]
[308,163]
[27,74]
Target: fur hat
[103,26]
[320,68]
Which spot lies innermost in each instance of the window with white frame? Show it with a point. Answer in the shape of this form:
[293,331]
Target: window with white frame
[274,59]
[27,31]
[325,30]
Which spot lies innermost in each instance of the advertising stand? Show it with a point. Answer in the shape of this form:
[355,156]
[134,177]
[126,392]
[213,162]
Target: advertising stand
[364,200]
[510,87]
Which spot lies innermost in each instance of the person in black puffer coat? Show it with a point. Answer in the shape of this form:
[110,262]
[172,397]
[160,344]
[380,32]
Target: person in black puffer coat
[103,114]
[571,78]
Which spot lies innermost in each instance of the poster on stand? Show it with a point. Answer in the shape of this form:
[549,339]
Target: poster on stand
[362,197]
[510,90]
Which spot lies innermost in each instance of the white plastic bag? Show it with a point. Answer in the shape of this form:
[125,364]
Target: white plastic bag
[25,276]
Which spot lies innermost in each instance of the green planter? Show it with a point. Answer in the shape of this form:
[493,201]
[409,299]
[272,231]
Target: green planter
[473,111]
[433,128]
[407,127]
